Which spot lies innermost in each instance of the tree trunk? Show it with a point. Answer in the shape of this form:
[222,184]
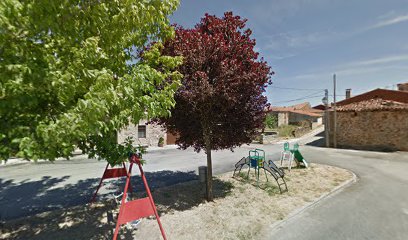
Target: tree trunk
[209,190]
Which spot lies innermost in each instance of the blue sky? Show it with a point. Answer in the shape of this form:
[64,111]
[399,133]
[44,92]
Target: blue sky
[365,42]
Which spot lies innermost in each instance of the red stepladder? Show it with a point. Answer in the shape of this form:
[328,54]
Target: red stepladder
[139,208]
[111,173]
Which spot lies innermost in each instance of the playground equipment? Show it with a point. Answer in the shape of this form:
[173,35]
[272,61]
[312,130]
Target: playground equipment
[256,159]
[244,161]
[118,200]
[278,174]
[136,209]
[286,155]
[131,211]
[298,156]
[108,174]
[291,155]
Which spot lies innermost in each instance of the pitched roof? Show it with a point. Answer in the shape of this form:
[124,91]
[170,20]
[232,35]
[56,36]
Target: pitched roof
[373,105]
[302,108]
[319,107]
[305,105]
[392,95]
[308,113]
[403,86]
[314,110]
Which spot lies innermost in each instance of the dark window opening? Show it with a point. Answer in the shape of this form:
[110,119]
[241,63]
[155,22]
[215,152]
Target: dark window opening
[141,131]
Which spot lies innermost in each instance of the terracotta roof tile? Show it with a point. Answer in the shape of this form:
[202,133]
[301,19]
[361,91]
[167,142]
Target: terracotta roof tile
[392,95]
[319,107]
[302,108]
[313,110]
[308,113]
[373,105]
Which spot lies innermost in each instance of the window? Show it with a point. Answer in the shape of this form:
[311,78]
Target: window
[141,131]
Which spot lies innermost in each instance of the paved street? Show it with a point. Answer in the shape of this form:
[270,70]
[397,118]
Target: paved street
[32,188]
[375,207]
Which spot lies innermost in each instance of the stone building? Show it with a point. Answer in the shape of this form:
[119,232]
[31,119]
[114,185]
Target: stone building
[403,87]
[146,134]
[296,114]
[376,120]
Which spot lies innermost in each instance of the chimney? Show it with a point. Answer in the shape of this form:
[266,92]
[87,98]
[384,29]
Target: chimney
[348,93]
[403,87]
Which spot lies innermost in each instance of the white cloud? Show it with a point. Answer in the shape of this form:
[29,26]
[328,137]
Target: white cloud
[404,47]
[390,21]
[296,40]
[360,70]
[395,62]
[281,56]
[380,60]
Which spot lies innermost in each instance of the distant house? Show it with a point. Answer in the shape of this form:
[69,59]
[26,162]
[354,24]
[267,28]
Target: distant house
[146,134]
[296,114]
[320,107]
[375,120]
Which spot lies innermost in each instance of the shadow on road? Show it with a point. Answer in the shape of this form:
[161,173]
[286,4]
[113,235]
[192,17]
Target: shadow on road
[68,216]
[27,198]
[320,142]
[186,195]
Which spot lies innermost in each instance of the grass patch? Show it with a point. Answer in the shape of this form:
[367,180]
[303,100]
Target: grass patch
[286,130]
[244,176]
[271,189]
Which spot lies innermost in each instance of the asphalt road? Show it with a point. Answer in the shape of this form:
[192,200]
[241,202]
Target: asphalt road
[375,207]
[32,188]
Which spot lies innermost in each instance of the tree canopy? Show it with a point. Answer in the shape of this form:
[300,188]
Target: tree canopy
[271,121]
[71,74]
[220,103]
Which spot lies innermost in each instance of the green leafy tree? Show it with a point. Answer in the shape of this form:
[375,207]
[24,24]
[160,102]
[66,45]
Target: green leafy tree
[71,74]
[271,121]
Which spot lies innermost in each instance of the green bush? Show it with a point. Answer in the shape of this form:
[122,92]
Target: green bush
[286,130]
[271,121]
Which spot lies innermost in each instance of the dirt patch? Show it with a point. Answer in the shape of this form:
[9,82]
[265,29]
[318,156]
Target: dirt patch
[241,210]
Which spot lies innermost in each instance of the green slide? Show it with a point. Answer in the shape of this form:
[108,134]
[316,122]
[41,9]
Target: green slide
[298,156]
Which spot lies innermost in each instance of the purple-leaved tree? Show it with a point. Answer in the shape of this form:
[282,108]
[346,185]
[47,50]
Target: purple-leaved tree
[220,104]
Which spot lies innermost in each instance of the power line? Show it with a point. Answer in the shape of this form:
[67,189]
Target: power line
[294,100]
[298,89]
[313,95]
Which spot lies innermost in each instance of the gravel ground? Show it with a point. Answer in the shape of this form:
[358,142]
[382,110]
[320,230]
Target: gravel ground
[241,210]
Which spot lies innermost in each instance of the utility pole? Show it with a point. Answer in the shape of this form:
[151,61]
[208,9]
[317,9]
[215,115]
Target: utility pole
[334,113]
[326,117]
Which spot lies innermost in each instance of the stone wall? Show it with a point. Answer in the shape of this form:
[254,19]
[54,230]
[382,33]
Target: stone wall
[372,130]
[318,123]
[283,118]
[286,118]
[269,137]
[153,133]
[296,118]
[403,87]
[300,131]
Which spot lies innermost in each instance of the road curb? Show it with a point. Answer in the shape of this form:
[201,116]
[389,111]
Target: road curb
[19,161]
[302,209]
